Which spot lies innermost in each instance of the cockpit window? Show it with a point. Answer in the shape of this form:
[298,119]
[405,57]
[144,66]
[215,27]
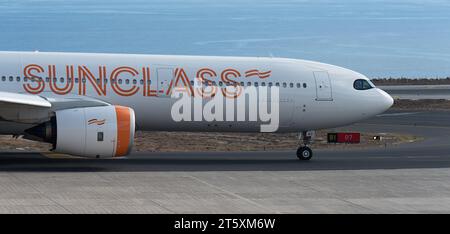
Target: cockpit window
[362,84]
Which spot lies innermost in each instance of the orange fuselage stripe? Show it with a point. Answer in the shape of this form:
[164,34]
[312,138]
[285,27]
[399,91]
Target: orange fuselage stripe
[123,130]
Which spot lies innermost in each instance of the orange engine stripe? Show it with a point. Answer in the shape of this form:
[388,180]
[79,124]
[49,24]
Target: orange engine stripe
[123,130]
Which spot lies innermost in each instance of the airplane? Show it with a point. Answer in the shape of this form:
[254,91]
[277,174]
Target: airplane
[91,104]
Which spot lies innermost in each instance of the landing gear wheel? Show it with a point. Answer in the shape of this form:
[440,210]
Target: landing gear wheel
[304,153]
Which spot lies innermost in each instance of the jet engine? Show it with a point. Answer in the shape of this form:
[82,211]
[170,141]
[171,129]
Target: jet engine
[106,131]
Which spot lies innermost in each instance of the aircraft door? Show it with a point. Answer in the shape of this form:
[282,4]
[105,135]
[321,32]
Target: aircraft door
[323,86]
[165,76]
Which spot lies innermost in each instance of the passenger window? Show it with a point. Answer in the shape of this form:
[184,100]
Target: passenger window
[304,85]
[263,83]
[11,78]
[270,84]
[249,83]
[284,85]
[291,85]
[256,84]
[277,84]
[18,79]
[298,85]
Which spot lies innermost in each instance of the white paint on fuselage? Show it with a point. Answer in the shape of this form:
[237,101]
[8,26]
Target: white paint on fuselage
[299,109]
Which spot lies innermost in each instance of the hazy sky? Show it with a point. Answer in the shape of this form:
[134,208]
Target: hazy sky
[376,38]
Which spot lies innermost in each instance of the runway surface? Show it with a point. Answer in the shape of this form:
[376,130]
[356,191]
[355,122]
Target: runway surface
[404,178]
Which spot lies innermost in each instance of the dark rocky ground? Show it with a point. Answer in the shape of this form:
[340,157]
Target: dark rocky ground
[407,81]
[210,141]
[424,104]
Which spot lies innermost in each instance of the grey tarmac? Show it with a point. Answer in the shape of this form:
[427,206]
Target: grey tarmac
[406,178]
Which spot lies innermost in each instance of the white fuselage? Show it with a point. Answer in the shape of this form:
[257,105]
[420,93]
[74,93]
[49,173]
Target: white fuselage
[312,95]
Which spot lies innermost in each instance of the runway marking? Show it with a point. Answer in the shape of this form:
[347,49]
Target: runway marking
[54,155]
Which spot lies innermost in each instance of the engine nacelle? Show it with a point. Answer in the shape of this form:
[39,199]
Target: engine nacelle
[106,131]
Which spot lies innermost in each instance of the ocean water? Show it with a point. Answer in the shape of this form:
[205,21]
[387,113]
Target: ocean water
[379,38]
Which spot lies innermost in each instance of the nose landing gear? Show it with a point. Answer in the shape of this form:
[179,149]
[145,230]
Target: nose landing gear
[304,152]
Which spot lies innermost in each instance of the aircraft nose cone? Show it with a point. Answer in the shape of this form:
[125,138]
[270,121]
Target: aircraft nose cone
[386,99]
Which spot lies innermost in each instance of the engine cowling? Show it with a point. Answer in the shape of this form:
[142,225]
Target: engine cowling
[99,132]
